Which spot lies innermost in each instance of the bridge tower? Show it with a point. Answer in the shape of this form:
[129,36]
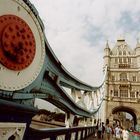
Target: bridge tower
[107,55]
[122,82]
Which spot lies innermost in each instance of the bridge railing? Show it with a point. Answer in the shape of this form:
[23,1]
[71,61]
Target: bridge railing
[75,133]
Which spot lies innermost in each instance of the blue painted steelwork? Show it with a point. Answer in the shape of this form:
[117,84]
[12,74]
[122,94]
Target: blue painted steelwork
[47,86]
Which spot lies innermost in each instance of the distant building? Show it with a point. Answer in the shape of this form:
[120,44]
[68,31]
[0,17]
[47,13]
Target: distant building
[122,92]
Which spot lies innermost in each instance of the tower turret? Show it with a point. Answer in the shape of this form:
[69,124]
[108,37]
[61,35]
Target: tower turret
[107,55]
[137,49]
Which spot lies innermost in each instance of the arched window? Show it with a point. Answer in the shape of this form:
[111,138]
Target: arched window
[132,94]
[116,92]
[123,77]
[113,78]
[120,53]
[116,60]
[124,52]
[120,60]
[129,60]
[124,60]
[134,78]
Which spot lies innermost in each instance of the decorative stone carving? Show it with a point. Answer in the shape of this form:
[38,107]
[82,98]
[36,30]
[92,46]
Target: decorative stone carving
[12,131]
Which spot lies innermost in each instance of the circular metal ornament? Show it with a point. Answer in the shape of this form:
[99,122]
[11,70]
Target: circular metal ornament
[22,46]
[17,43]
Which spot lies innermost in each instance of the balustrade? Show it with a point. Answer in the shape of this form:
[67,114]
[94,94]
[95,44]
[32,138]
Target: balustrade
[75,133]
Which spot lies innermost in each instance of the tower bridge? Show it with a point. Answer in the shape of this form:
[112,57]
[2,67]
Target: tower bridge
[123,79]
[29,69]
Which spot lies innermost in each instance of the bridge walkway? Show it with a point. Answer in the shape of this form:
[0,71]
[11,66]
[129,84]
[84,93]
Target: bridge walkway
[92,137]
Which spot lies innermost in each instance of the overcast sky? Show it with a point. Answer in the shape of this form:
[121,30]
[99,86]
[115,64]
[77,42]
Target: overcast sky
[77,31]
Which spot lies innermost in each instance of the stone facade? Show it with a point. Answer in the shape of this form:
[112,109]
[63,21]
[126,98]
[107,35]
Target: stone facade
[123,80]
[12,131]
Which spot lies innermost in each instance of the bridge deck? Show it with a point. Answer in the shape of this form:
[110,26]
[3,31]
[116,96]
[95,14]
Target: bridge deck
[92,137]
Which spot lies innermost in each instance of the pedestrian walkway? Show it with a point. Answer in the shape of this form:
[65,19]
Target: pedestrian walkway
[135,135]
[95,138]
[92,137]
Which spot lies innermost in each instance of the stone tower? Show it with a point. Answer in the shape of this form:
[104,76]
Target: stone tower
[123,80]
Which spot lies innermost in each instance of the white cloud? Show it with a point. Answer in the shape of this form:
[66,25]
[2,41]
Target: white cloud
[70,30]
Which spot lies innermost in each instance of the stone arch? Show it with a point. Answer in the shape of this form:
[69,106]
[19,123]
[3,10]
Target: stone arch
[128,110]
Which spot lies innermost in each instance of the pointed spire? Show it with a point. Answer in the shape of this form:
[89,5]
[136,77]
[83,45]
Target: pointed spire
[107,49]
[138,43]
[107,45]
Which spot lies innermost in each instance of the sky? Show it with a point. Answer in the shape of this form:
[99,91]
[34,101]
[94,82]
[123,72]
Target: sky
[77,31]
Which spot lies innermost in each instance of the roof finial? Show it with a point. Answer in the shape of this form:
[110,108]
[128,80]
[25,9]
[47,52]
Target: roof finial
[121,38]
[107,45]
[138,41]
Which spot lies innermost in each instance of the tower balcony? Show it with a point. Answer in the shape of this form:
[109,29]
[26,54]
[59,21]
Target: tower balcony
[125,99]
[124,66]
[124,83]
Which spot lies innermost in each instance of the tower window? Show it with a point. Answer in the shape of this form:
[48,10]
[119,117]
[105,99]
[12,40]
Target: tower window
[124,93]
[123,77]
[120,60]
[113,78]
[124,60]
[116,93]
[129,60]
[124,52]
[132,94]
[134,78]
[120,53]
[116,60]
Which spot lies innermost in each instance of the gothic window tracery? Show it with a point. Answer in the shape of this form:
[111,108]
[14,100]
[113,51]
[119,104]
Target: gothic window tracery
[124,60]
[129,60]
[116,93]
[116,60]
[113,78]
[124,92]
[124,52]
[123,77]
[132,94]
[120,60]
[120,52]
[134,78]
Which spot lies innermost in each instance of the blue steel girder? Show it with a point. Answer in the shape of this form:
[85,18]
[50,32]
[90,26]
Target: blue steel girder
[49,82]
[54,66]
[59,97]
[65,78]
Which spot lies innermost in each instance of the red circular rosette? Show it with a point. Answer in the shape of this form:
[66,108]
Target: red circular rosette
[17,43]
